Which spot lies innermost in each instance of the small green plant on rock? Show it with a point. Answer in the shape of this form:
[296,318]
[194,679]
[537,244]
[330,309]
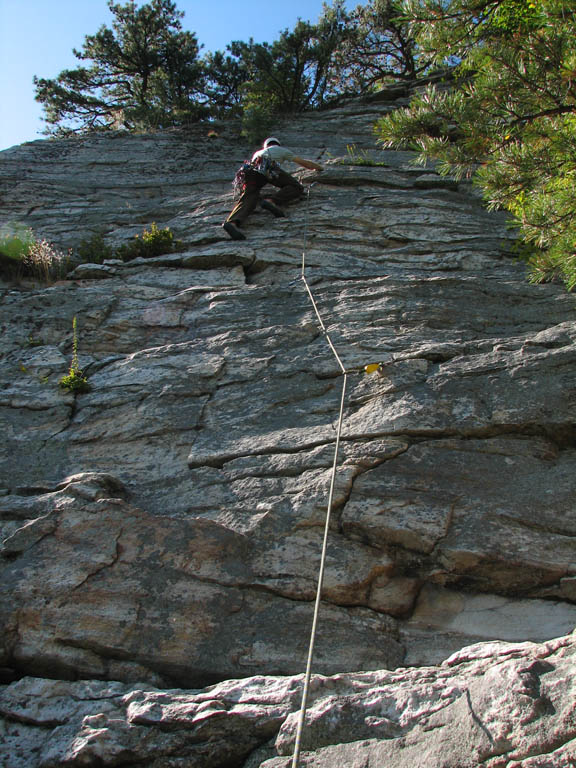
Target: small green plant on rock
[152,242]
[75,381]
[360,157]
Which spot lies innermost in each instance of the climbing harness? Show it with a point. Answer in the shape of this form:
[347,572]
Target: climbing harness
[255,172]
[266,166]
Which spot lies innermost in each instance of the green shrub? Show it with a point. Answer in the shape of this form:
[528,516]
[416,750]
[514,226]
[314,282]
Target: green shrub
[152,242]
[21,255]
[257,122]
[45,262]
[93,250]
[15,240]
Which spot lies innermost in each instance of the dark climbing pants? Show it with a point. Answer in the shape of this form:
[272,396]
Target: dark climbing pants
[289,189]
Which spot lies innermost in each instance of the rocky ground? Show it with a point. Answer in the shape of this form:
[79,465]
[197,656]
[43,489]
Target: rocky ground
[162,532]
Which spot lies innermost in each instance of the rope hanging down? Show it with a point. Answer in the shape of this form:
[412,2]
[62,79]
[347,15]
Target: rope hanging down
[308,674]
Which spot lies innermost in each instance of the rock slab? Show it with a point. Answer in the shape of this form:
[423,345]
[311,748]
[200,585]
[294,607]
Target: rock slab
[493,704]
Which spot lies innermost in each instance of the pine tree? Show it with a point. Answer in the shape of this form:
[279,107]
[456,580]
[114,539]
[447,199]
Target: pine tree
[378,48]
[144,72]
[510,119]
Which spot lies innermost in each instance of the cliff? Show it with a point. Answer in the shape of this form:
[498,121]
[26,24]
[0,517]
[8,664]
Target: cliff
[163,531]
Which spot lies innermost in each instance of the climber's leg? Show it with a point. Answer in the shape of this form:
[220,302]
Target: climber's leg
[245,205]
[289,189]
[243,208]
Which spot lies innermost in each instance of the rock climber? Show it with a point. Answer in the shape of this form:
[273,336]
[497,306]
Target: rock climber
[264,168]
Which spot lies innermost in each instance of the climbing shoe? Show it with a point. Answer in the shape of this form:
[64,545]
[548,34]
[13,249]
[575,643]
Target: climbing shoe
[268,205]
[233,231]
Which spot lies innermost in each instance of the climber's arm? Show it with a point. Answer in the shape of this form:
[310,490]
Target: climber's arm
[310,164]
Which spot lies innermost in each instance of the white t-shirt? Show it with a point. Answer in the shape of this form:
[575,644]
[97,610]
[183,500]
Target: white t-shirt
[276,153]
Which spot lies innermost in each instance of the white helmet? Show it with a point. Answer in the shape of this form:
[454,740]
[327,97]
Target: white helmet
[270,141]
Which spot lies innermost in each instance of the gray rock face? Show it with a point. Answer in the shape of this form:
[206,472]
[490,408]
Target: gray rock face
[165,528]
[493,704]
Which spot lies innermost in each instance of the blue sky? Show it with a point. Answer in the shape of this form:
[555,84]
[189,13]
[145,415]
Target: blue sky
[37,38]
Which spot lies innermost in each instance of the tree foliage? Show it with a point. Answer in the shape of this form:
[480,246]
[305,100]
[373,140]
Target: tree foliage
[510,120]
[143,72]
[311,65]
[294,73]
[378,47]
[226,73]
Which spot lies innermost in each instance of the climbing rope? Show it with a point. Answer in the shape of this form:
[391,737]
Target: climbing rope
[307,286]
[308,674]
